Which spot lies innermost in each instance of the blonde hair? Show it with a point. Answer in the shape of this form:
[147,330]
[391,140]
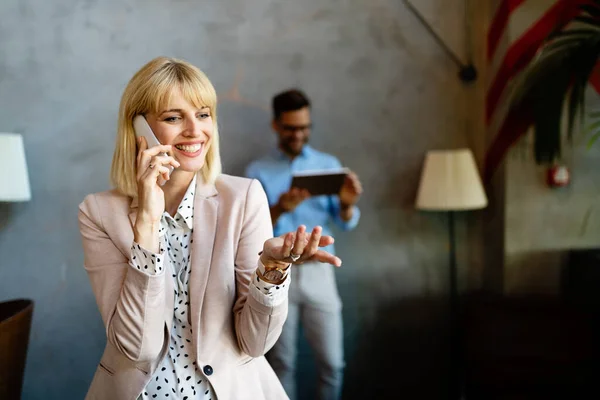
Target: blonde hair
[149,90]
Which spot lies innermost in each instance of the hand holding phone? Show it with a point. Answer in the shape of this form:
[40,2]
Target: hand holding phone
[154,165]
[142,129]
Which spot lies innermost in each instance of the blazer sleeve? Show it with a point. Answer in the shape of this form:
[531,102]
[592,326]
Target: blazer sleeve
[257,326]
[131,302]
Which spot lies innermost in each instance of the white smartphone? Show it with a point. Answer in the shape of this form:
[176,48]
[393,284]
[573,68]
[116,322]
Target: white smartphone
[142,129]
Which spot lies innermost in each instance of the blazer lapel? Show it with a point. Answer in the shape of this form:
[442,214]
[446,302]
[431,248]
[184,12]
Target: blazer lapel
[206,206]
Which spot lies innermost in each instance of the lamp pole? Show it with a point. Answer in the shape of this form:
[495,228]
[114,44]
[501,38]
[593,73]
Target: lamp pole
[456,351]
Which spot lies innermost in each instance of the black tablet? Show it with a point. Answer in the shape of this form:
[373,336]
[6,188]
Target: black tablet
[320,182]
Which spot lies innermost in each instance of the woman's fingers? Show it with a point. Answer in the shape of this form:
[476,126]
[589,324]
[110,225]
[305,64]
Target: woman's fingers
[145,154]
[151,174]
[145,164]
[300,241]
[163,160]
[326,241]
[288,243]
[156,150]
[313,243]
[325,257]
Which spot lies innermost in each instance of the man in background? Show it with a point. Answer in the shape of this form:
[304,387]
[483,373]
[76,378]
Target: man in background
[313,296]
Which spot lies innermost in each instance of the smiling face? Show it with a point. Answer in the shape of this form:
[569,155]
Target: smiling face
[180,104]
[293,130]
[188,128]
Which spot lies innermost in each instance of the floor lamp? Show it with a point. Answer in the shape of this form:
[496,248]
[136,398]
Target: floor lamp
[14,180]
[450,182]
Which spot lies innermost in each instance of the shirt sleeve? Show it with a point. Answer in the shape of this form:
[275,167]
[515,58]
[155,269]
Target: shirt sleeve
[146,261]
[335,214]
[251,172]
[269,294]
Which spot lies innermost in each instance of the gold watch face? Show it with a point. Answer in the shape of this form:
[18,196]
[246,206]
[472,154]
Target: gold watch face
[273,275]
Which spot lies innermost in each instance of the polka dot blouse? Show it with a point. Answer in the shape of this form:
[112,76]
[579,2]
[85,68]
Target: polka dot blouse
[178,375]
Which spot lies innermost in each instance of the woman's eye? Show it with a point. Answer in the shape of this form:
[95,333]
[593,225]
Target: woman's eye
[203,115]
[171,119]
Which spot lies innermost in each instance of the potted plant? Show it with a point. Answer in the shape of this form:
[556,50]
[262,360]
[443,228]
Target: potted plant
[555,78]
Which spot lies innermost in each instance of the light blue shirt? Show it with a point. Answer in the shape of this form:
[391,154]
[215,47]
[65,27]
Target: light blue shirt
[274,172]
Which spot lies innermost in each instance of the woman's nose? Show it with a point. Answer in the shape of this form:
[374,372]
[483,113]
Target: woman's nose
[193,128]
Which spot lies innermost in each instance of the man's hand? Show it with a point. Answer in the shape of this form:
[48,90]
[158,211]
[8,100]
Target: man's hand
[350,191]
[290,200]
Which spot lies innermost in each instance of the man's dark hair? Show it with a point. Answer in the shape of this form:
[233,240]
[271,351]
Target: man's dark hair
[290,100]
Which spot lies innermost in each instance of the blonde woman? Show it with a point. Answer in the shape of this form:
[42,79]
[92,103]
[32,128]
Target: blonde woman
[190,283]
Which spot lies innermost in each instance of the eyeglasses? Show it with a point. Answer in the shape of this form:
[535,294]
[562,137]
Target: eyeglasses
[294,128]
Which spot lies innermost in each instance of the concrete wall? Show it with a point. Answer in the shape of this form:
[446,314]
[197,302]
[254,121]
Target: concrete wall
[384,93]
[543,224]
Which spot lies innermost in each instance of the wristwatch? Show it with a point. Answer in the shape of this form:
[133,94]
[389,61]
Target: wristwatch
[275,275]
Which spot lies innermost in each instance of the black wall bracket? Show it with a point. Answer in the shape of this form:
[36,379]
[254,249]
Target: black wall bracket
[467,71]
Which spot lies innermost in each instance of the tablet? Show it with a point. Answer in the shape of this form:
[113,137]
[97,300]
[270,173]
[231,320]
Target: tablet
[320,182]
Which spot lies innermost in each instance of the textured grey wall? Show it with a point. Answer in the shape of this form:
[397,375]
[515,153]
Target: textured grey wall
[543,224]
[383,94]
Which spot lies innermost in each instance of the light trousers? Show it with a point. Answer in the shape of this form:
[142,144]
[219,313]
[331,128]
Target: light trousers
[314,301]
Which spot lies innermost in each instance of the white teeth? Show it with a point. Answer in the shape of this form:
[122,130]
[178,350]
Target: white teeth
[189,149]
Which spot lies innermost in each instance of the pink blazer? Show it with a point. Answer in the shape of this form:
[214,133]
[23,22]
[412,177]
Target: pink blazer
[232,330]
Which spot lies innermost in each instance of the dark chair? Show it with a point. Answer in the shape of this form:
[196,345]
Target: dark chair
[15,324]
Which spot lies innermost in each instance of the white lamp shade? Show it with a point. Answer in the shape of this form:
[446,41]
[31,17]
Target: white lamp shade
[14,180]
[450,181]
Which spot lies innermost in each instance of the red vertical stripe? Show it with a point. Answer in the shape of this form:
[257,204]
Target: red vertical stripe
[513,127]
[499,23]
[525,48]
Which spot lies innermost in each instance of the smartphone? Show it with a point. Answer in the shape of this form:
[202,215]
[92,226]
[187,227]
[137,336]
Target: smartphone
[142,129]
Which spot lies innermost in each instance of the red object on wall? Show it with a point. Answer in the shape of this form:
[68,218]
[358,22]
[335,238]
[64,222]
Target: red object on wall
[558,176]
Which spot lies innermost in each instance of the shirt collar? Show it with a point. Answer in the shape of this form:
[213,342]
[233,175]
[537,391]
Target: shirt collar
[185,211]
[186,208]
